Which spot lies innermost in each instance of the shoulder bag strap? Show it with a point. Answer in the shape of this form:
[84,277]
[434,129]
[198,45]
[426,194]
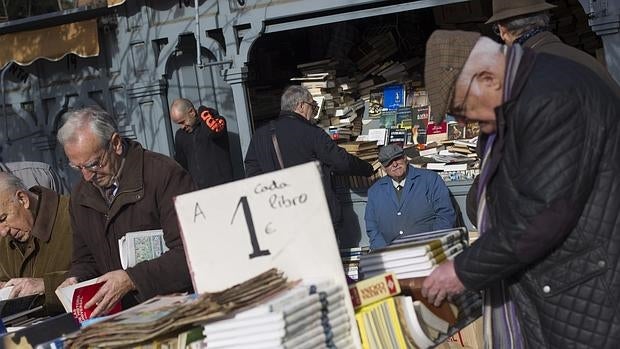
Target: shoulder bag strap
[274,139]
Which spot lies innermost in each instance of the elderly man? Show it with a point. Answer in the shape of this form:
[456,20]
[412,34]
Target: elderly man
[124,188]
[35,240]
[201,144]
[407,201]
[526,22]
[548,253]
[292,139]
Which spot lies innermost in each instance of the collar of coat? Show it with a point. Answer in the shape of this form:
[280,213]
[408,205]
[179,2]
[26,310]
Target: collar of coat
[295,116]
[130,184]
[46,212]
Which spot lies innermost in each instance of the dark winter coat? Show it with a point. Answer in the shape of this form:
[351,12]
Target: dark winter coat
[205,154]
[553,200]
[144,201]
[300,142]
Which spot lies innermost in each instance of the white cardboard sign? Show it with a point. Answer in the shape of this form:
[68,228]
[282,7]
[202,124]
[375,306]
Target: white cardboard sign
[238,230]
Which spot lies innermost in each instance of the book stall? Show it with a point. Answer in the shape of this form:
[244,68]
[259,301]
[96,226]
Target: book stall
[268,274]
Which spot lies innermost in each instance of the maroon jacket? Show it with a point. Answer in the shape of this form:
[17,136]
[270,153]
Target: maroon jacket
[144,201]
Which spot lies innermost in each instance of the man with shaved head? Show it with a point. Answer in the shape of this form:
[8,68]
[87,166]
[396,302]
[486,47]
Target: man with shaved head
[548,256]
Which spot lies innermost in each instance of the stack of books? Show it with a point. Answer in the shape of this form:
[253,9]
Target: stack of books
[365,150]
[351,260]
[415,255]
[391,316]
[303,317]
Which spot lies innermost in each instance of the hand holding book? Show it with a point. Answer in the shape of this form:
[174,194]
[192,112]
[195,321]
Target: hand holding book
[442,283]
[116,284]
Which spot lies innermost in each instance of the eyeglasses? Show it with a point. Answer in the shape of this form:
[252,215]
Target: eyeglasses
[95,165]
[458,111]
[313,105]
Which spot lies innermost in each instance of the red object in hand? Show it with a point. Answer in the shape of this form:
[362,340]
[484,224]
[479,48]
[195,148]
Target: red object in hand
[82,295]
[216,124]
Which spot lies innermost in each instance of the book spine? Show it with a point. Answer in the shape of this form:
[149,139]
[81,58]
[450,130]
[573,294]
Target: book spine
[374,289]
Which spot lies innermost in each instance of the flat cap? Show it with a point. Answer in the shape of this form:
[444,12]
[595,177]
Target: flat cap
[390,152]
[446,54]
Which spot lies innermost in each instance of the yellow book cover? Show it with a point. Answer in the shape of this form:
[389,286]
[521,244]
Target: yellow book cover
[374,289]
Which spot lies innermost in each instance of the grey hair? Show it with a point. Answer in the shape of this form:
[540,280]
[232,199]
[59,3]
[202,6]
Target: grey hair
[101,123]
[9,183]
[182,105]
[519,25]
[294,95]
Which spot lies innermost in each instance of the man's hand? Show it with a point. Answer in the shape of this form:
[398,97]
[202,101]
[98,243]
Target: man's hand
[25,287]
[69,281]
[442,283]
[117,284]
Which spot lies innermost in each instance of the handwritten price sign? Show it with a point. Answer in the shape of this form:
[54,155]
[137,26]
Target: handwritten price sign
[235,231]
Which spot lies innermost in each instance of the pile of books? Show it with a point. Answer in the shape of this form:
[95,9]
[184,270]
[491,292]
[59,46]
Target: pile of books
[351,259]
[391,313]
[302,317]
[415,255]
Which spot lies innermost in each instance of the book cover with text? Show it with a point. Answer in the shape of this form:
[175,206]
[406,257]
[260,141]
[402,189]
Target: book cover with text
[81,296]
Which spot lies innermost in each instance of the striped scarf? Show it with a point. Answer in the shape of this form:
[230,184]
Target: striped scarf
[501,325]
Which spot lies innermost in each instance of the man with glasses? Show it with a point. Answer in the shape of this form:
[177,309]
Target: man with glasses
[124,188]
[407,201]
[526,22]
[35,240]
[548,255]
[201,144]
[292,139]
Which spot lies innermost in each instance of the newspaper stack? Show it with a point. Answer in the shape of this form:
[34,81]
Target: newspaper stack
[165,315]
[303,317]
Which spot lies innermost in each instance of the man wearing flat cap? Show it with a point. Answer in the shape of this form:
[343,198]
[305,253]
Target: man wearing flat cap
[548,256]
[526,22]
[407,201]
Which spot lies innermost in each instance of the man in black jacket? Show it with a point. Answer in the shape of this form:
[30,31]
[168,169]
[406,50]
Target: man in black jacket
[548,256]
[201,144]
[292,139]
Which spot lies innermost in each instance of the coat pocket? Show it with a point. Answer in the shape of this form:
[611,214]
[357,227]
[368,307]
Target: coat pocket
[570,272]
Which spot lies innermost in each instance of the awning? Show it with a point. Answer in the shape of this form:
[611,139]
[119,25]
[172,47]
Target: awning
[52,43]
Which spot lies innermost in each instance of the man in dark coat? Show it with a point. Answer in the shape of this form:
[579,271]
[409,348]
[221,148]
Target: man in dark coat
[549,248]
[201,144]
[124,188]
[292,139]
[526,22]
[35,240]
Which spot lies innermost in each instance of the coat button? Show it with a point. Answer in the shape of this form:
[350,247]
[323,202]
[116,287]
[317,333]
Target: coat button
[601,264]
[398,213]
[546,289]
[400,232]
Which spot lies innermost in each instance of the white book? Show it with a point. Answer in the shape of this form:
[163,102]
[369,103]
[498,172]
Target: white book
[419,336]
[5,292]
[139,246]
[65,294]
[427,317]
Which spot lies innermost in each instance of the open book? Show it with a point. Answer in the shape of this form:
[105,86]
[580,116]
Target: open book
[139,246]
[74,298]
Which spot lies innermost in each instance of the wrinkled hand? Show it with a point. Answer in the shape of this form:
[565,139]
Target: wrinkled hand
[117,284]
[25,287]
[442,283]
[69,281]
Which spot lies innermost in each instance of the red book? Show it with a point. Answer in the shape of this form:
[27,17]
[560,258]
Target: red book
[80,294]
